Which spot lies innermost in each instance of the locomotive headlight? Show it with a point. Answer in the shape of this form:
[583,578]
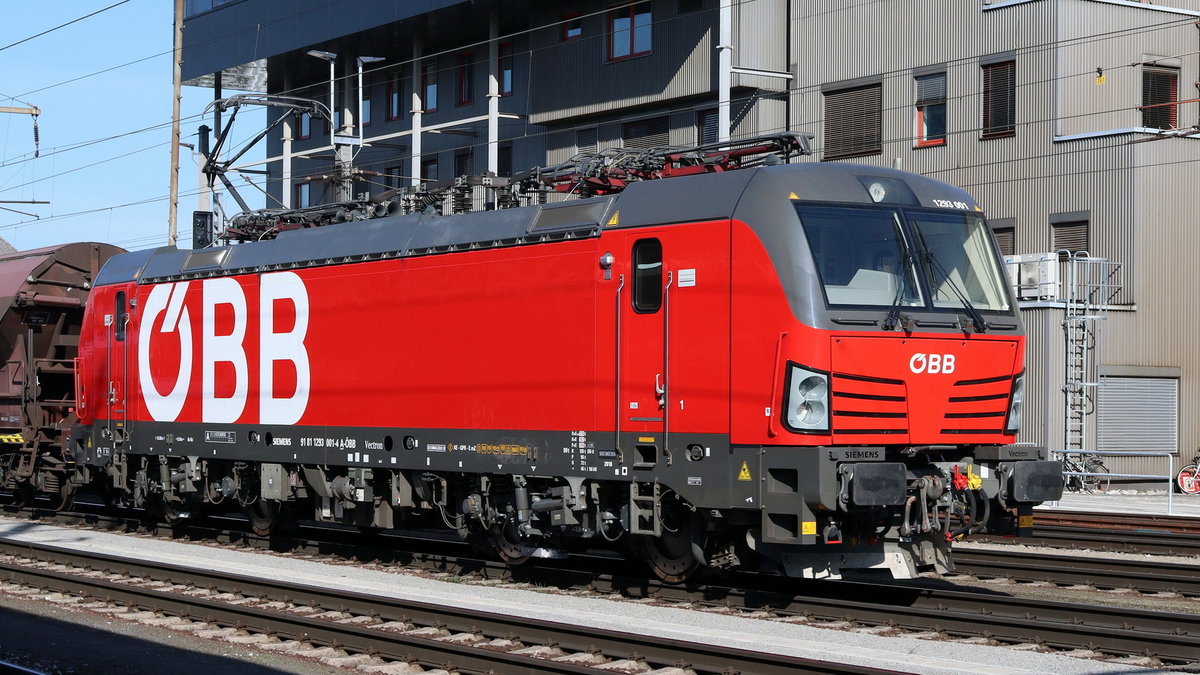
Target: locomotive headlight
[807,400]
[1016,405]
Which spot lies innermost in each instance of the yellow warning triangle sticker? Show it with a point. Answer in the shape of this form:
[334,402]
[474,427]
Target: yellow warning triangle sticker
[744,474]
[792,195]
[615,220]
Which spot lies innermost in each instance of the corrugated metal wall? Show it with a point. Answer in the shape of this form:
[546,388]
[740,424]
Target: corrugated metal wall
[760,33]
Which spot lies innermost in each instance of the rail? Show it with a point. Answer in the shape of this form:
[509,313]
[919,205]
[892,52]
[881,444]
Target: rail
[1169,477]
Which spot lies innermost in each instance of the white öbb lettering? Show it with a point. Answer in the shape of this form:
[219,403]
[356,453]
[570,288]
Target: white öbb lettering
[931,363]
[167,301]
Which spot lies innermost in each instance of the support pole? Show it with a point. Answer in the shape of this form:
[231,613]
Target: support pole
[493,142]
[177,61]
[418,107]
[724,70]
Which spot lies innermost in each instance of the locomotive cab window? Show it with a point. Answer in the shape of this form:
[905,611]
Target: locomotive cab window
[647,275]
[861,256]
[119,317]
[961,263]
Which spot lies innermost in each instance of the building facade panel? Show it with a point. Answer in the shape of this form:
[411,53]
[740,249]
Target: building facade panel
[1102,51]
[577,78]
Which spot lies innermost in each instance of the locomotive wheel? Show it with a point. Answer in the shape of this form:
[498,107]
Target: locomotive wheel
[64,498]
[670,555]
[171,510]
[264,516]
[508,544]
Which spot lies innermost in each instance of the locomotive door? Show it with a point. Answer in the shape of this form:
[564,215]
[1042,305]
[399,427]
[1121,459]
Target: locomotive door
[643,360]
[116,361]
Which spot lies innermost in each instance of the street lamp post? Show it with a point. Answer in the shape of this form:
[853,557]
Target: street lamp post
[332,59]
[360,121]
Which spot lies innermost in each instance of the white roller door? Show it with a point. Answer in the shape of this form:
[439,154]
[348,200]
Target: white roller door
[1138,414]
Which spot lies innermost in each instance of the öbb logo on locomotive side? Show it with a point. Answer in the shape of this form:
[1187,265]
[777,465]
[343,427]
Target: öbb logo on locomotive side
[931,363]
[167,301]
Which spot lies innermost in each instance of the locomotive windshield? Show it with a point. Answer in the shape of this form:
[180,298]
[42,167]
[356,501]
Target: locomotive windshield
[887,257]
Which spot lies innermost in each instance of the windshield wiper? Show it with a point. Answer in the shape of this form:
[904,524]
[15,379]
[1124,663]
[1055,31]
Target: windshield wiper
[894,316]
[976,318]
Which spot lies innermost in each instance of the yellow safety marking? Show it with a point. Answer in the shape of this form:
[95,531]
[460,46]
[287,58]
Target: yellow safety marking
[744,474]
[1024,521]
[808,527]
[1101,78]
[11,438]
[645,439]
[615,220]
[792,195]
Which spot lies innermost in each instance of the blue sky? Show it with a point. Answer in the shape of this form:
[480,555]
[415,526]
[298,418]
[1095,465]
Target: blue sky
[89,187]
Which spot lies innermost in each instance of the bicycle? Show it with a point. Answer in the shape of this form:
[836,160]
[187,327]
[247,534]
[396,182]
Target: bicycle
[1188,478]
[1095,474]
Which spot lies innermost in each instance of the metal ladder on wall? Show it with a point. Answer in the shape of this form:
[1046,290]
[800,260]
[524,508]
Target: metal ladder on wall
[1091,285]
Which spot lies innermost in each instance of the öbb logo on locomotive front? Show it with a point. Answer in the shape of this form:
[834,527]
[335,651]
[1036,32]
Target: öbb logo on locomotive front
[932,363]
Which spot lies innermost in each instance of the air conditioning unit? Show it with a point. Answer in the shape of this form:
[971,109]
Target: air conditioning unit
[1034,276]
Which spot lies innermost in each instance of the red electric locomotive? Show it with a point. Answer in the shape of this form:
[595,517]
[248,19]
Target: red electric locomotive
[800,368]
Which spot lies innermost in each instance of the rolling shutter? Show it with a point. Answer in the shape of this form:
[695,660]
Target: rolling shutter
[853,122]
[931,89]
[1160,85]
[1070,236]
[999,98]
[650,133]
[1138,414]
[585,140]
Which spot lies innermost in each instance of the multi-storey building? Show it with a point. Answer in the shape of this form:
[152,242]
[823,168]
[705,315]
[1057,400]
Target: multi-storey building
[1071,120]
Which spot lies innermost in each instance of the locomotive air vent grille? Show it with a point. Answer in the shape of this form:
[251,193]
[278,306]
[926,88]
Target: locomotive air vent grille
[868,406]
[977,406]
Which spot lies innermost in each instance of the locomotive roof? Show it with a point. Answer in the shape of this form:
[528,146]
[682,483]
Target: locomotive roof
[705,197]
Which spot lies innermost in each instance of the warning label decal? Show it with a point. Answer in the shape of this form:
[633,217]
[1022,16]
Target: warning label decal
[744,474]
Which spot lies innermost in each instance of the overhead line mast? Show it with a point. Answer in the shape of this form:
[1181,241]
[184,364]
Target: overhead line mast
[32,111]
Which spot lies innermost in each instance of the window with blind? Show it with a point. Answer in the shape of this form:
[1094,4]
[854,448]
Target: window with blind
[707,129]
[930,120]
[395,176]
[1005,231]
[853,122]
[506,68]
[395,99]
[464,163]
[1070,236]
[999,99]
[585,140]
[1160,90]
[649,133]
[429,87]
[466,79]
[429,168]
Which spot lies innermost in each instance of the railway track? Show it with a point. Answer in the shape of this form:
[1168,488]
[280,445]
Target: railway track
[1148,534]
[432,636]
[886,607]
[1143,576]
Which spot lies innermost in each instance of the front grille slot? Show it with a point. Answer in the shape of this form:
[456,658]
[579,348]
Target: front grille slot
[976,405]
[868,406]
